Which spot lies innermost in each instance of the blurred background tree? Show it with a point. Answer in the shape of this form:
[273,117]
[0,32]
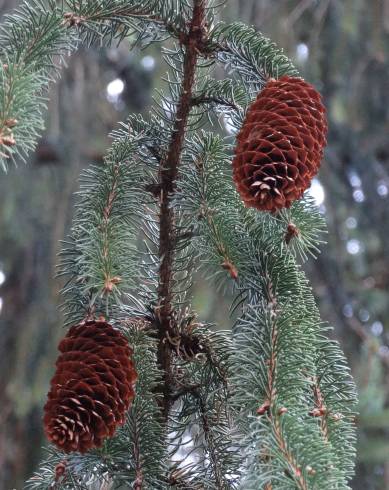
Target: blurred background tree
[342,46]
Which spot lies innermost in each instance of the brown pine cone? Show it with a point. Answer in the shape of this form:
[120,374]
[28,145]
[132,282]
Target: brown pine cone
[280,145]
[92,388]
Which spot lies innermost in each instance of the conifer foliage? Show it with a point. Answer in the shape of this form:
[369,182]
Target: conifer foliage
[269,405]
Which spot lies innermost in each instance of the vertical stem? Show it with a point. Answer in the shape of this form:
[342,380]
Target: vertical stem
[139,479]
[168,175]
[274,415]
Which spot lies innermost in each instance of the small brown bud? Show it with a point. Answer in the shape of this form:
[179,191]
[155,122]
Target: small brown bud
[282,410]
[297,472]
[8,140]
[310,470]
[11,122]
[318,412]
[60,470]
[110,283]
[291,232]
[264,408]
[71,19]
[230,267]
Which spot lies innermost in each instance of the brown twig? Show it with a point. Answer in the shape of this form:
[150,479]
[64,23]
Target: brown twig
[138,483]
[109,282]
[269,404]
[320,410]
[202,99]
[71,19]
[167,178]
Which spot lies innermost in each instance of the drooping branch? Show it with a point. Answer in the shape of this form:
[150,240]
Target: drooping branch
[139,477]
[269,406]
[211,445]
[168,175]
[33,44]
[81,17]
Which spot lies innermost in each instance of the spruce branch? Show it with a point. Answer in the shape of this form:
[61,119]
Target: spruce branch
[271,406]
[105,21]
[283,306]
[33,45]
[339,397]
[201,410]
[248,54]
[168,176]
[34,35]
[144,434]
[35,40]
[99,259]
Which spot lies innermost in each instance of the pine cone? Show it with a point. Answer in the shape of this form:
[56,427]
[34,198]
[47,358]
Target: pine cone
[92,388]
[280,145]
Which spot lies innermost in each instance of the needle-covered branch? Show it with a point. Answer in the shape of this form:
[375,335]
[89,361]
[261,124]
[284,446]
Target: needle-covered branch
[114,20]
[168,172]
[35,39]
[33,42]
[274,376]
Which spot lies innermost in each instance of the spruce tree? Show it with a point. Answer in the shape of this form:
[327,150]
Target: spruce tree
[269,405]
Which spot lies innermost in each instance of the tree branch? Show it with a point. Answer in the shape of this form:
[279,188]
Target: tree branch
[269,406]
[72,19]
[168,176]
[139,477]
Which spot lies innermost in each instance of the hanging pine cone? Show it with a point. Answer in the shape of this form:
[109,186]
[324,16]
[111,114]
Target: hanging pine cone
[92,388]
[280,145]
